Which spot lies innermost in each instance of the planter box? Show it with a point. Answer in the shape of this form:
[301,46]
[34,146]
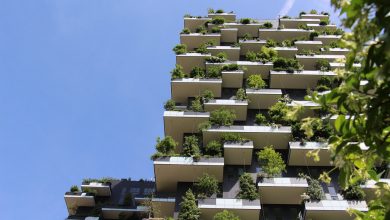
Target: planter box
[233,53]
[333,209]
[327,39]
[193,23]
[252,29]
[232,79]
[315,16]
[171,170]
[296,80]
[289,190]
[238,153]
[251,68]
[182,89]
[308,106]
[296,22]
[190,60]
[309,62]
[194,40]
[263,98]
[260,135]
[251,45]
[229,35]
[286,52]
[244,209]
[177,123]
[297,154]
[100,188]
[239,107]
[79,199]
[308,45]
[318,27]
[336,51]
[226,16]
[283,34]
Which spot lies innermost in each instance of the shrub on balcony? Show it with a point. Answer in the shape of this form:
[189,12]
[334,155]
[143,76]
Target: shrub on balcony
[287,43]
[222,117]
[313,11]
[225,215]
[313,35]
[322,65]
[247,188]
[191,146]
[196,105]
[286,17]
[303,27]
[216,30]
[353,192]
[271,162]
[241,95]
[219,58]
[165,147]
[308,53]
[255,82]
[311,129]
[180,49]
[323,84]
[178,72]
[201,29]
[230,67]
[324,22]
[188,208]
[265,55]
[245,20]
[260,119]
[220,11]
[218,20]
[203,47]
[185,31]
[213,72]
[232,138]
[210,11]
[206,186]
[315,191]
[338,31]
[247,36]
[278,113]
[213,149]
[170,105]
[288,65]
[270,43]
[302,13]
[74,188]
[197,72]
[267,25]
[207,95]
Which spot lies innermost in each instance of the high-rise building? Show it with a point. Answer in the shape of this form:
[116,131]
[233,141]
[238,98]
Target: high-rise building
[228,134]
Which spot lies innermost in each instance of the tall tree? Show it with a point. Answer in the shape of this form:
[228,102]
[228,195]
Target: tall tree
[188,208]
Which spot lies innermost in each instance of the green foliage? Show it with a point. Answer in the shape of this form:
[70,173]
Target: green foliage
[213,148]
[267,25]
[313,11]
[213,72]
[180,49]
[74,188]
[303,27]
[222,117]
[260,119]
[245,20]
[308,52]
[218,20]
[178,72]
[287,43]
[210,11]
[232,137]
[265,55]
[278,113]
[324,22]
[289,65]
[185,31]
[207,95]
[255,82]
[247,188]
[191,146]
[302,13]
[196,105]
[241,95]
[201,29]
[128,200]
[203,47]
[323,84]
[270,43]
[225,215]
[220,58]
[353,192]
[323,65]
[170,105]
[206,186]
[216,30]
[230,67]
[286,17]
[220,11]
[165,147]
[313,35]
[104,180]
[315,191]
[271,162]
[188,208]
[247,36]
[197,72]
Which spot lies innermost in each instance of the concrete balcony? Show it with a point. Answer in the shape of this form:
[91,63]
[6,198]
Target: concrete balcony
[297,80]
[115,212]
[169,171]
[194,40]
[308,45]
[260,135]
[318,27]
[327,39]
[166,206]
[370,188]
[237,153]
[336,51]
[280,35]
[232,79]
[309,62]
[229,35]
[263,98]
[296,22]
[233,53]
[252,29]
[308,108]
[289,190]
[227,16]
[238,107]
[334,66]
[250,68]
[251,45]
[244,209]
[101,189]
[286,52]
[315,16]
[193,23]
[333,209]
[182,89]
[297,154]
[177,123]
[78,199]
[190,60]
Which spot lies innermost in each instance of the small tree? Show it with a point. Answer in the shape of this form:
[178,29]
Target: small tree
[222,117]
[271,162]
[241,95]
[170,105]
[255,82]
[191,146]
[225,215]
[188,208]
[278,113]
[196,105]
[213,148]
[232,137]
[353,192]
[322,65]
[178,72]
[197,72]
[207,95]
[74,188]
[165,147]
[180,49]
[206,186]
[213,72]
[260,119]
[247,188]
[218,20]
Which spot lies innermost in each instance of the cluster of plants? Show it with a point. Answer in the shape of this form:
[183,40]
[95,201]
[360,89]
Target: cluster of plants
[324,22]
[74,188]
[222,117]
[206,186]
[313,11]
[255,82]
[215,30]
[324,84]
[308,52]
[247,36]
[271,162]
[197,105]
[353,192]
[326,31]
[219,11]
[196,72]
[188,208]
[218,20]
[323,65]
[191,16]
[170,105]
[165,147]
[219,58]
[287,64]
[304,27]
[314,191]
[104,180]
[233,138]
[230,67]
[201,29]
[247,21]
[333,44]
[225,215]
[278,114]
[185,31]
[180,49]
[311,129]
[241,95]
[178,72]
[203,47]
[191,147]
[247,188]
[266,54]
[266,25]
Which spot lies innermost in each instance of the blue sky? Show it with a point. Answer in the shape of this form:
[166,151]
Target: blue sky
[82,84]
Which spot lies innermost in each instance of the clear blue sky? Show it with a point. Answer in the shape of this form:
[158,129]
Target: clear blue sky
[82,84]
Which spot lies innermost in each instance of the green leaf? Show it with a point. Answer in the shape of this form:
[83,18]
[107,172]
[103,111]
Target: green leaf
[339,122]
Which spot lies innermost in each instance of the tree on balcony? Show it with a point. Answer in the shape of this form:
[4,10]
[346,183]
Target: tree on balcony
[206,186]
[353,192]
[188,208]
[213,149]
[191,147]
[225,215]
[271,162]
[165,147]
[222,117]
[255,82]
[247,188]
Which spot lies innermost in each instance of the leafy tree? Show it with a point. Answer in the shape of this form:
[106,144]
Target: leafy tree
[255,82]
[225,215]
[353,192]
[207,95]
[322,65]
[289,65]
[213,72]
[165,147]
[230,67]
[178,72]
[206,186]
[196,105]
[191,146]
[197,72]
[213,148]
[247,188]
[188,208]
[245,20]
[315,191]
[170,105]
[271,162]
[201,29]
[218,20]
[180,49]
[232,137]
[270,43]
[278,113]
[267,25]
[222,117]
[185,31]
[74,188]
[260,119]
[241,95]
